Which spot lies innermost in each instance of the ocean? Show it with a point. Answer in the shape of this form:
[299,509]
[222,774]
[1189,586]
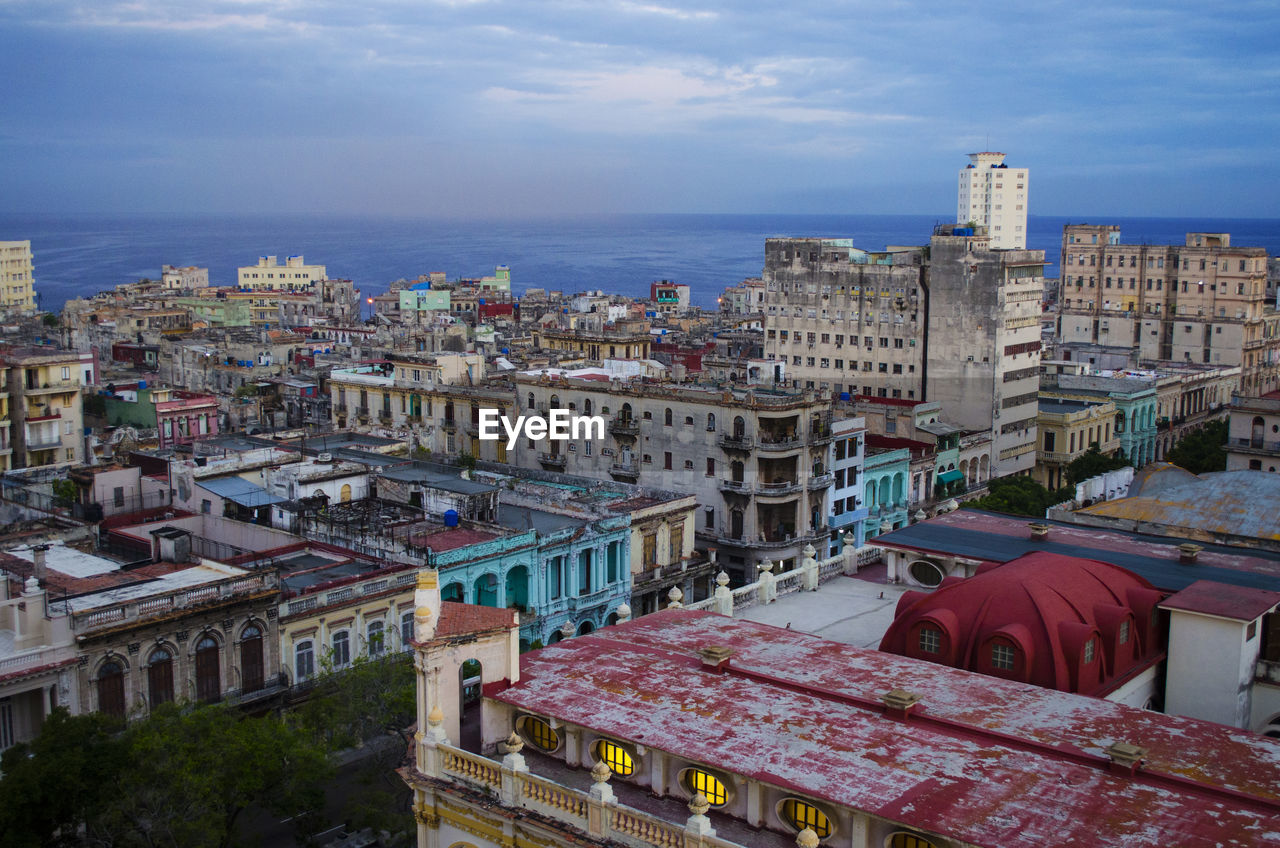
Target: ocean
[80,255]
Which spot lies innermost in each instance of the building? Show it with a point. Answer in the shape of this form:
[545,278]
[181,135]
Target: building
[1253,433]
[693,729]
[270,275]
[848,510]
[756,459]
[183,279]
[37,660]
[17,278]
[1134,395]
[185,417]
[1061,622]
[669,298]
[1202,302]
[994,196]
[46,415]
[1066,429]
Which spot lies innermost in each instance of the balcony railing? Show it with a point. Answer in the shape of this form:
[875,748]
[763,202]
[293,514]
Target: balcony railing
[1256,444]
[625,469]
[105,617]
[778,443]
[742,443]
[556,459]
[821,481]
[776,488]
[624,426]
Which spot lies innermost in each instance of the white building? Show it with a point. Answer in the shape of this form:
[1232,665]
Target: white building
[184,278]
[269,275]
[994,195]
[17,286]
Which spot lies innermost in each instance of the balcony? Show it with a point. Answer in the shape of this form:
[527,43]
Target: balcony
[624,427]
[626,469]
[740,443]
[53,387]
[821,481]
[556,460]
[1259,445]
[778,488]
[778,444]
[741,487]
[820,435]
[41,443]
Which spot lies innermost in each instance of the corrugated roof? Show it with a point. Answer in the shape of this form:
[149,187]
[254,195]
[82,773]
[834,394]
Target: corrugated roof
[1227,503]
[240,491]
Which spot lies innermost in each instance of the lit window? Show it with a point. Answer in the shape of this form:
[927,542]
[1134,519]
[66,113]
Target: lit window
[1124,631]
[616,757]
[800,814]
[1002,657]
[539,734]
[930,640]
[909,840]
[1088,651]
[697,780]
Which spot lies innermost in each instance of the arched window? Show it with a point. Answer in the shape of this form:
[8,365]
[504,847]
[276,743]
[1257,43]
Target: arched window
[208,673]
[341,645]
[1004,655]
[801,814]
[616,757]
[252,674]
[909,840]
[538,733]
[111,689]
[711,421]
[304,660]
[375,639]
[532,402]
[160,677]
[555,401]
[586,406]
[666,417]
[713,788]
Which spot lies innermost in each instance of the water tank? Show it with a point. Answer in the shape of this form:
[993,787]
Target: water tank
[844,396]
[142,384]
[505,351]
[450,518]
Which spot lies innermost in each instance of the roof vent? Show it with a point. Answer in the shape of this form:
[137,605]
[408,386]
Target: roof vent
[324,457]
[1187,553]
[899,702]
[1039,532]
[716,657]
[1126,757]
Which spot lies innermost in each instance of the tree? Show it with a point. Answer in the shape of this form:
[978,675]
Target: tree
[65,491]
[50,319]
[1020,496]
[1091,463]
[61,780]
[1201,451]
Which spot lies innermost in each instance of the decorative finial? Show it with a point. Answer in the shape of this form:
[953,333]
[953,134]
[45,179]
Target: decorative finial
[722,579]
[675,594]
[514,744]
[809,551]
[807,838]
[766,566]
[436,717]
[698,804]
[566,630]
[601,773]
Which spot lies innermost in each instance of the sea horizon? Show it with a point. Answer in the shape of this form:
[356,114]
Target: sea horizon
[80,254]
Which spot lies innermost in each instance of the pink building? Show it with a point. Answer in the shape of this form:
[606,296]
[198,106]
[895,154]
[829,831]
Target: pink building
[186,417]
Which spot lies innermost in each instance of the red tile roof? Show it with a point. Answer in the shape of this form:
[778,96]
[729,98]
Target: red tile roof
[1241,603]
[454,537]
[987,761]
[467,619]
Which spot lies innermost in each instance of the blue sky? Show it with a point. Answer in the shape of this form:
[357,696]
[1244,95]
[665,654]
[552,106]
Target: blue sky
[475,108]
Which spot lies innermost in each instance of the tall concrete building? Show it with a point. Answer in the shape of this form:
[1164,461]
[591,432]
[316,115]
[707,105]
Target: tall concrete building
[269,275]
[994,196]
[1202,302]
[17,285]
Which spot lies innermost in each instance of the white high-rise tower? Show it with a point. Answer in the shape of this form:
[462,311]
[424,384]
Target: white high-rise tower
[994,195]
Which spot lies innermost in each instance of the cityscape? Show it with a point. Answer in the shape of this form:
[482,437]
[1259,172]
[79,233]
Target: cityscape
[960,532]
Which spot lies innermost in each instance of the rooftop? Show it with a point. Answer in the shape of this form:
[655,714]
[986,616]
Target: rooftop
[983,760]
[1240,603]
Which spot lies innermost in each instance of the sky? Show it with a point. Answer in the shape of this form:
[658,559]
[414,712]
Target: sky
[472,108]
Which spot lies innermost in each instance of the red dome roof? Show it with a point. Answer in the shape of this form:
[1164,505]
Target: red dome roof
[1076,625]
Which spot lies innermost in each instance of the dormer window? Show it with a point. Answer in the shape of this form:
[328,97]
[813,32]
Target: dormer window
[1002,656]
[1124,632]
[616,757]
[1088,651]
[930,640]
[712,787]
[801,814]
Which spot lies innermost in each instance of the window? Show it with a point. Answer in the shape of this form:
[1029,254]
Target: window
[1124,632]
[341,649]
[930,640]
[1088,651]
[554,577]
[406,629]
[713,788]
[909,840]
[111,689]
[666,418]
[650,550]
[801,814]
[616,757]
[710,514]
[160,677]
[711,467]
[1002,657]
[375,639]
[666,460]
[538,733]
[304,662]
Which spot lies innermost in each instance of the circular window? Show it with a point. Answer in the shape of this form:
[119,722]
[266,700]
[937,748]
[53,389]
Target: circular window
[619,760]
[713,787]
[538,733]
[908,840]
[801,814]
[925,573]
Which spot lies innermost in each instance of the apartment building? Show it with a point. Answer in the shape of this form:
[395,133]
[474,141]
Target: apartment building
[594,344]
[37,660]
[1066,428]
[1253,433]
[994,196]
[185,278]
[46,418]
[17,278]
[982,344]
[1134,395]
[1202,302]
[271,275]
[757,459]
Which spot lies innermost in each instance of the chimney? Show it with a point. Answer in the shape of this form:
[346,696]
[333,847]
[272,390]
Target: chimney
[1188,552]
[716,658]
[899,703]
[1126,758]
[37,561]
[1039,532]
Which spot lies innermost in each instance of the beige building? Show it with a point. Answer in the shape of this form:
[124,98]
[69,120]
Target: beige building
[37,660]
[1201,302]
[46,419]
[1253,433]
[17,277]
[183,278]
[594,345]
[270,275]
[755,459]
[1066,428]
